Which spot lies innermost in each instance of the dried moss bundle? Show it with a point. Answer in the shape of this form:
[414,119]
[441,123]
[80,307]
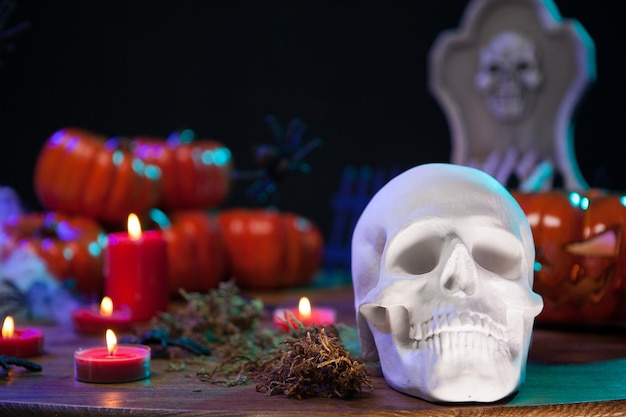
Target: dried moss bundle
[316,364]
[214,316]
[229,325]
[310,361]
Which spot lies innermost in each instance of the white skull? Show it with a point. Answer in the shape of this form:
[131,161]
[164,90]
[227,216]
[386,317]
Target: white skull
[509,76]
[442,264]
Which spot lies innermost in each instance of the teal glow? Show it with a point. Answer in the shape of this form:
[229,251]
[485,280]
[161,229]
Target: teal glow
[584,203]
[221,156]
[538,266]
[590,48]
[138,165]
[579,201]
[186,136]
[552,10]
[153,172]
[102,240]
[118,157]
[94,248]
[366,172]
[350,172]
[623,200]
[160,218]
[207,157]
[575,198]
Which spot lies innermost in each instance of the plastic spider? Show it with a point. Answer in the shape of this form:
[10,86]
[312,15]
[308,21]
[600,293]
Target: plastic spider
[276,160]
[6,9]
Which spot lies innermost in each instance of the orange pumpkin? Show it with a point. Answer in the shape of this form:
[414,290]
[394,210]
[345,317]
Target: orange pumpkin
[195,248]
[70,246]
[269,249]
[82,172]
[196,173]
[580,257]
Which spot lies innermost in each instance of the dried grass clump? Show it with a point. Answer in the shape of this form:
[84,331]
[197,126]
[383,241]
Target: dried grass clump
[316,364]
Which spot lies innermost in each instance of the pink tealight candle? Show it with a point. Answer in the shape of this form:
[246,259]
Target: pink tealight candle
[97,320]
[113,363]
[21,343]
[307,315]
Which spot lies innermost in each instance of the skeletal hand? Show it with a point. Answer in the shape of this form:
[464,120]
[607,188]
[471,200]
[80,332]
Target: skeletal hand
[533,173]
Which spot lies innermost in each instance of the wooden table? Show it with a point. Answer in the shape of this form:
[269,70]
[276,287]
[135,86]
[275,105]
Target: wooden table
[568,374]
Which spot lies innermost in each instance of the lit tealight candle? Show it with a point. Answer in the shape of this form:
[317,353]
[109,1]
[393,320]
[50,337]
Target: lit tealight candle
[98,319]
[113,363]
[21,343]
[135,270]
[287,318]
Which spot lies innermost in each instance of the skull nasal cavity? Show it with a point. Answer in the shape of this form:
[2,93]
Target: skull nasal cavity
[459,275]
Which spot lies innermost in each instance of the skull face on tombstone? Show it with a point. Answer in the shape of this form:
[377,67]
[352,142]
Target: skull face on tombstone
[442,264]
[509,76]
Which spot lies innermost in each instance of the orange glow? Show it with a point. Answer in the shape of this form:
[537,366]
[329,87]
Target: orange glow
[134,227]
[8,327]
[106,307]
[111,342]
[304,307]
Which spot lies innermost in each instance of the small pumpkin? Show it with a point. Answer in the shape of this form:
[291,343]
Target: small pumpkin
[81,172]
[270,249]
[196,173]
[580,258]
[70,245]
[195,248]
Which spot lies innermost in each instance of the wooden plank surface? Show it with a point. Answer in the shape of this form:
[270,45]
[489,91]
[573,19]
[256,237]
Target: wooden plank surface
[570,373]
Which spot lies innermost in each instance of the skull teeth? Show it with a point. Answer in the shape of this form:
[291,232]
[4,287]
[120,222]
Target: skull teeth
[456,323]
[462,341]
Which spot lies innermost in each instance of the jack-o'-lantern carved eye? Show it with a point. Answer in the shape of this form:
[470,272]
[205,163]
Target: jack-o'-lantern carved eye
[607,243]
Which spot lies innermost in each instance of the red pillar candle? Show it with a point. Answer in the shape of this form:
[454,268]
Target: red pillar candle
[22,343]
[135,270]
[98,319]
[307,315]
[113,363]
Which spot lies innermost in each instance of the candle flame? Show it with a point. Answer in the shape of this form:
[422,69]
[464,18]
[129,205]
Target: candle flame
[106,307]
[134,227]
[304,307]
[8,327]
[111,342]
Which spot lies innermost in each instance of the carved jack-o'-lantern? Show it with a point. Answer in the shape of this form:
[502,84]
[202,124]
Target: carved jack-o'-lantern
[579,268]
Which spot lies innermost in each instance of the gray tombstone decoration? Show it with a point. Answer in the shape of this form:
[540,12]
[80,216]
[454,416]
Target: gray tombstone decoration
[509,80]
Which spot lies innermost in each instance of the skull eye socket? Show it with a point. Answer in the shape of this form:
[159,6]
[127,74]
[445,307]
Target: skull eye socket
[498,259]
[416,257]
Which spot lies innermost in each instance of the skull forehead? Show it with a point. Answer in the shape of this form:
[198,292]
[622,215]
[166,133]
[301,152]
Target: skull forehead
[507,47]
[438,191]
[441,190]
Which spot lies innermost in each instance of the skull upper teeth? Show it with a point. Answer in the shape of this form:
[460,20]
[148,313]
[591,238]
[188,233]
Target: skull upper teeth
[446,331]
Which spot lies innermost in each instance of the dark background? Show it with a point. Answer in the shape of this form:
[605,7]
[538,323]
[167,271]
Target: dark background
[355,71]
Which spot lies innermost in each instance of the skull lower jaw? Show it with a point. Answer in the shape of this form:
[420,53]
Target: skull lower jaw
[472,368]
[455,361]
